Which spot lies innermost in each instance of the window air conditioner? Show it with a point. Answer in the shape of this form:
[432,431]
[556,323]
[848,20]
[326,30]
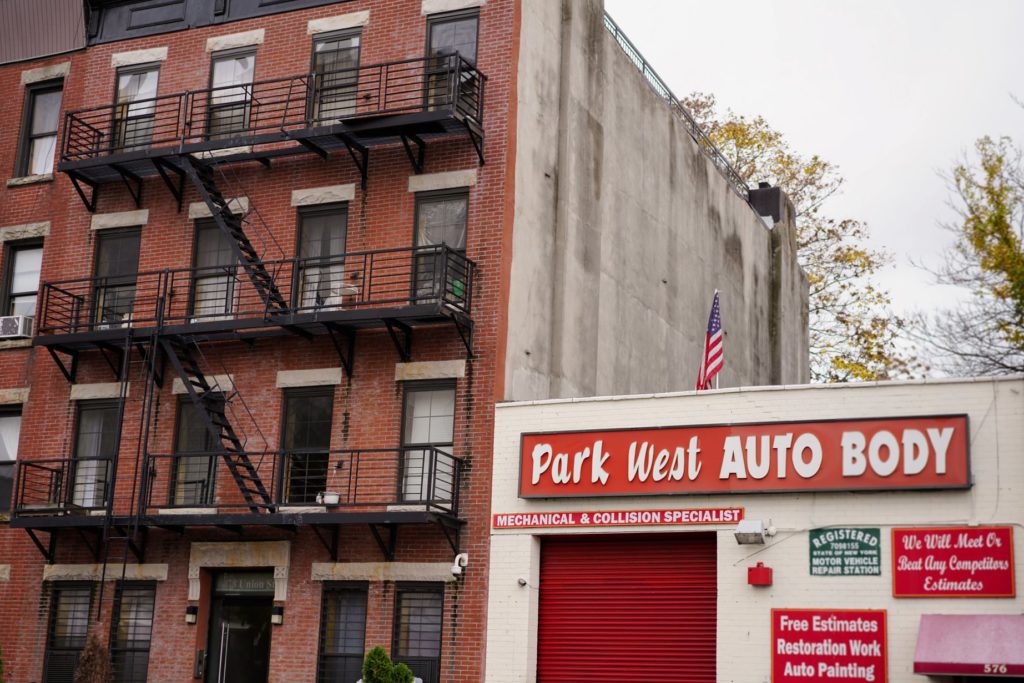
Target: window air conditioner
[15,326]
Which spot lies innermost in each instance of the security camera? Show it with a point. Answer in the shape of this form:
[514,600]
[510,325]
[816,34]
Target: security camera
[461,560]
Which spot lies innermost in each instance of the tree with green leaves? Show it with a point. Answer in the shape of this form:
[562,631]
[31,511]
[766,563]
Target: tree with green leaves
[853,331]
[983,335]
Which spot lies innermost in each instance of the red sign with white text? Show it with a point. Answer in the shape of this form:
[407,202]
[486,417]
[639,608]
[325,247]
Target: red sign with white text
[538,520]
[953,562]
[873,454]
[828,645]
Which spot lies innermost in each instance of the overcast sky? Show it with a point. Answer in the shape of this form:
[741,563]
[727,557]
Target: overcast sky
[893,91]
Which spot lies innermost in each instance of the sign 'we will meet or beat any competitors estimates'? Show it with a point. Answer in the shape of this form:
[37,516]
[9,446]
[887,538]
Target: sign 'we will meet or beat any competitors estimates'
[841,455]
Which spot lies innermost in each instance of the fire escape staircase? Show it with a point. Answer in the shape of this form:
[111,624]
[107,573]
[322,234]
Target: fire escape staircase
[231,224]
[212,410]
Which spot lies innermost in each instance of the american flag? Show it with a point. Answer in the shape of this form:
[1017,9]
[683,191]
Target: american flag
[711,361]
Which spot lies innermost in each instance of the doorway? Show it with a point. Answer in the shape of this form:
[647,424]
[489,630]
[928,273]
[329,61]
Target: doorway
[239,640]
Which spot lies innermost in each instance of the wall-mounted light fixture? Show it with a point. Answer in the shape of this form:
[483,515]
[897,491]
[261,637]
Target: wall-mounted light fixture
[191,614]
[277,614]
[461,560]
[753,532]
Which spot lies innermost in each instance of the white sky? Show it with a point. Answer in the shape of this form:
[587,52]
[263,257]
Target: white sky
[893,91]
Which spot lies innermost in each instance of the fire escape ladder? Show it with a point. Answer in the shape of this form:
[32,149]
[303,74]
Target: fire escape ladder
[212,411]
[110,532]
[202,177]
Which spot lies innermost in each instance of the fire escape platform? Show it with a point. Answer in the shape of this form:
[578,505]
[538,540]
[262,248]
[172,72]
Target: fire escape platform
[320,322]
[265,146]
[45,522]
[408,102]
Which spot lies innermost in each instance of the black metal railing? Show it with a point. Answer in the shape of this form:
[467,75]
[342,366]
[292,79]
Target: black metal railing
[363,479]
[366,280]
[736,181]
[54,486]
[236,114]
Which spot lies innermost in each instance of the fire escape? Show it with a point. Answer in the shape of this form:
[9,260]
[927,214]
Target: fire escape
[162,328]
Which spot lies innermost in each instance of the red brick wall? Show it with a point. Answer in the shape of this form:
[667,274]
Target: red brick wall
[367,406]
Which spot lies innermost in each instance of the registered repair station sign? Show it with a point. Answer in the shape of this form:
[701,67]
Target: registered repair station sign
[846,552]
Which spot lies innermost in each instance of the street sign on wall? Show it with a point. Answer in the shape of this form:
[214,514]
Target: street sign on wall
[846,552]
[828,645]
[953,562]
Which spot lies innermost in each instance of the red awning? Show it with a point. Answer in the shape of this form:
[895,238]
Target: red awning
[970,644]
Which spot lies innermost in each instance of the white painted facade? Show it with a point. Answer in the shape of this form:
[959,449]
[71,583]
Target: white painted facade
[995,409]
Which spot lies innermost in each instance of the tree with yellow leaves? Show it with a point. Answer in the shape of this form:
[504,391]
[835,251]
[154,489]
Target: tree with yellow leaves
[984,335]
[853,332]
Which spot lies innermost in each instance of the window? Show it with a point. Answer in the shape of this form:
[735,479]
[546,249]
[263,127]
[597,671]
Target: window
[95,445]
[117,264]
[131,631]
[321,271]
[336,74]
[456,32]
[428,428]
[448,34]
[69,625]
[39,128]
[441,219]
[24,263]
[418,616]
[136,107]
[194,474]
[213,292]
[342,632]
[10,428]
[306,440]
[231,75]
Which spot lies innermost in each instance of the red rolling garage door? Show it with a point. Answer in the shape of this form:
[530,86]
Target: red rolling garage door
[618,609]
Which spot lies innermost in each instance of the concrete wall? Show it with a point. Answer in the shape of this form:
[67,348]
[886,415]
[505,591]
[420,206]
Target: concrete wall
[995,410]
[623,229]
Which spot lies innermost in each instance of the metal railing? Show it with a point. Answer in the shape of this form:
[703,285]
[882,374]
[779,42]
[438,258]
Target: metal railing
[55,486]
[365,280]
[363,479]
[236,113]
[736,182]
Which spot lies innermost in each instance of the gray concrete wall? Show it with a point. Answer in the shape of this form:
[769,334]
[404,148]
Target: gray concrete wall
[623,229]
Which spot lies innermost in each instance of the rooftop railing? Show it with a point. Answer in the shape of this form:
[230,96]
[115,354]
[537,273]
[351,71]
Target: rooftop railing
[356,281]
[736,182]
[236,114]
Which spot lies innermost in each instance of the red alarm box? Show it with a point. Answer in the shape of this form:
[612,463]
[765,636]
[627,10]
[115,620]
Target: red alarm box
[759,575]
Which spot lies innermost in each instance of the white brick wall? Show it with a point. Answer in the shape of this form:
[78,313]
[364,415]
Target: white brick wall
[996,418]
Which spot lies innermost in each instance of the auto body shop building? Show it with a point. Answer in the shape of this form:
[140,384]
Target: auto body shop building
[814,533]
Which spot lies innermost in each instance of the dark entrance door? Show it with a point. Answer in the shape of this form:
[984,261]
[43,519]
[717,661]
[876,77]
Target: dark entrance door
[239,647]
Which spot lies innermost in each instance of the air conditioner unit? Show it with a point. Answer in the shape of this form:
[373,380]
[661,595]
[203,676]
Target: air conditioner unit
[15,326]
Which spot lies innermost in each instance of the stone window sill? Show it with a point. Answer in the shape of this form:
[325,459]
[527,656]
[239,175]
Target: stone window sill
[15,344]
[30,180]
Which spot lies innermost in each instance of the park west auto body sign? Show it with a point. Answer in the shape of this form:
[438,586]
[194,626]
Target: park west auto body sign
[864,454]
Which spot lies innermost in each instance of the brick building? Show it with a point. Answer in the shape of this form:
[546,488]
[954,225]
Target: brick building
[268,266]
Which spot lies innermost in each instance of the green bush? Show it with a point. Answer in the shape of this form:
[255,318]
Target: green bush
[401,674]
[377,668]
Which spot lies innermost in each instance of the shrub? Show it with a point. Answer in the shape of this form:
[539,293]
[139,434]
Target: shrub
[377,666]
[402,674]
[94,664]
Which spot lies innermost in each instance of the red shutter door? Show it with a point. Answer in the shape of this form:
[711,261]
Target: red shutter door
[624,609]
